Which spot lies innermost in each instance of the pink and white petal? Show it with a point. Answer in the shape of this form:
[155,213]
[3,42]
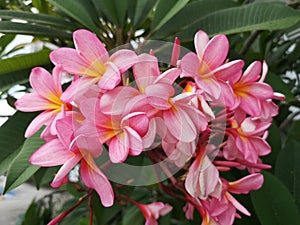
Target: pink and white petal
[43,83]
[252,73]
[124,59]
[89,108]
[64,170]
[92,177]
[190,65]
[77,89]
[32,102]
[262,147]
[169,76]
[145,71]
[237,205]
[45,118]
[200,41]
[180,125]
[57,74]
[261,91]
[230,71]
[161,90]
[250,105]
[111,78]
[210,86]
[216,51]
[246,184]
[89,46]
[114,102]
[135,141]
[138,121]
[227,95]
[52,153]
[70,61]
[149,137]
[65,131]
[119,148]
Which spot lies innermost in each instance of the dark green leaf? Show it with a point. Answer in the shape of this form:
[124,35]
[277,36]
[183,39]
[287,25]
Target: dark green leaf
[20,169]
[12,137]
[165,10]
[81,11]
[274,140]
[191,13]
[258,16]
[143,7]
[274,204]
[288,168]
[133,216]
[32,29]
[36,18]
[5,40]
[22,62]
[279,86]
[44,176]
[10,79]
[42,6]
[294,131]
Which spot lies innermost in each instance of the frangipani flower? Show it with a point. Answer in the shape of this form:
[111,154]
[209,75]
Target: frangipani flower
[46,98]
[64,151]
[207,67]
[91,60]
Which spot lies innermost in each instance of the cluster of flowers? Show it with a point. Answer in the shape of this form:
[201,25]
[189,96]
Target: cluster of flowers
[217,101]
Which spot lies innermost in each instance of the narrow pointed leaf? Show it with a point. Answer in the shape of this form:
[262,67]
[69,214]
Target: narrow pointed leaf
[12,137]
[20,169]
[143,7]
[257,16]
[274,204]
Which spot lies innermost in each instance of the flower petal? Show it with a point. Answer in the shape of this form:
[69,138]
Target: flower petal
[89,46]
[190,65]
[216,51]
[119,148]
[111,78]
[123,59]
[94,178]
[32,102]
[246,184]
[200,41]
[252,73]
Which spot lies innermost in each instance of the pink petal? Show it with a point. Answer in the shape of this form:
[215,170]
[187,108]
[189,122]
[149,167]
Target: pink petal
[64,170]
[200,41]
[111,78]
[252,73]
[89,108]
[227,95]
[119,148]
[237,205]
[57,74]
[230,71]
[124,59]
[216,51]
[246,184]
[190,65]
[263,148]
[261,91]
[149,137]
[32,102]
[89,46]
[145,71]
[52,153]
[250,105]
[210,86]
[139,122]
[175,52]
[135,141]
[180,124]
[114,102]
[44,118]
[94,178]
[71,61]
[168,77]
[43,83]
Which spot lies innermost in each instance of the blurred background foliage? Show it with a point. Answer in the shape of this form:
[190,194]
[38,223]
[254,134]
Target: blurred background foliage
[257,30]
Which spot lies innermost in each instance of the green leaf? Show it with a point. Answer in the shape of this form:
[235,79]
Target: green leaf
[5,40]
[114,10]
[44,176]
[81,11]
[20,169]
[12,137]
[142,9]
[10,79]
[288,168]
[274,140]
[32,29]
[294,131]
[279,86]
[165,10]
[42,6]
[104,215]
[133,216]
[26,61]
[274,204]
[36,18]
[258,16]
[191,13]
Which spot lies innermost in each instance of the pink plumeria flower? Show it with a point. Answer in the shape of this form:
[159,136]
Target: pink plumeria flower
[46,98]
[249,93]
[203,178]
[122,132]
[208,64]
[65,151]
[91,60]
[248,140]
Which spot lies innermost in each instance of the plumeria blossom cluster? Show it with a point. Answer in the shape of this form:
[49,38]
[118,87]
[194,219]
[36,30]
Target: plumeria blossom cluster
[126,103]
